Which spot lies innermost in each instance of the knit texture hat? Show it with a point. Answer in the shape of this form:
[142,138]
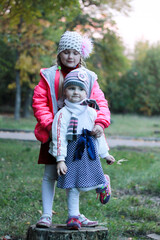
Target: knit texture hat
[73,40]
[77,77]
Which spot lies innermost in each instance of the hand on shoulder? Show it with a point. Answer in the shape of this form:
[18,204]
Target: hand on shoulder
[97,131]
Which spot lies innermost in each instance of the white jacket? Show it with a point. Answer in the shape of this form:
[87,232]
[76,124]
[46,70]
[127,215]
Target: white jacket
[86,120]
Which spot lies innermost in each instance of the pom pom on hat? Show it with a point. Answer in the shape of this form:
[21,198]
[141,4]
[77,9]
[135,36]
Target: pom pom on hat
[87,47]
[73,40]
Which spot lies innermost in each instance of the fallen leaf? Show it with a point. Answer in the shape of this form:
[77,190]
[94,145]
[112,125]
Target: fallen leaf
[53,212]
[40,212]
[121,160]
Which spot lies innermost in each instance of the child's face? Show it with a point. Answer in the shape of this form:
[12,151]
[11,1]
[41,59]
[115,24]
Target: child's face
[75,94]
[70,57]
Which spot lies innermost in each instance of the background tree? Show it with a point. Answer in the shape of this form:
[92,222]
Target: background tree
[34,29]
[138,90]
[7,75]
[28,38]
[151,83]
[124,94]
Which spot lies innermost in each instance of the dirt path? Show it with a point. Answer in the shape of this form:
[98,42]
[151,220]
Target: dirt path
[112,141]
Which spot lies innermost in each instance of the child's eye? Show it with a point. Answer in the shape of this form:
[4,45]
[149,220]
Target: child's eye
[65,51]
[71,88]
[76,53]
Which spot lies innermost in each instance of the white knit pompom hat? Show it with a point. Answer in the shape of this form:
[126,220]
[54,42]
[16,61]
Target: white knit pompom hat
[73,40]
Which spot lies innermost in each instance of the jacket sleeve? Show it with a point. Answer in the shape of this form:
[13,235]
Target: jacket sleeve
[103,115]
[102,146]
[42,105]
[58,145]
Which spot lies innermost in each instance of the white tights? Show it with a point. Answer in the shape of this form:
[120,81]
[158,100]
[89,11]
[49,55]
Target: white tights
[73,199]
[48,188]
[48,191]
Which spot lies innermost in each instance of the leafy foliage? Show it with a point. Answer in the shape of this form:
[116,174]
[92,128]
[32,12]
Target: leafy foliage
[7,74]
[139,89]
[34,28]
[25,27]
[109,61]
[28,11]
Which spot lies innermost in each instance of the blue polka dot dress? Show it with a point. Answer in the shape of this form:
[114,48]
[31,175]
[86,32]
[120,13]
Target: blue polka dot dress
[81,173]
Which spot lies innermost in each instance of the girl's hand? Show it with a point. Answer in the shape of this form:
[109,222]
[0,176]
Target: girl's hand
[97,131]
[61,168]
[110,159]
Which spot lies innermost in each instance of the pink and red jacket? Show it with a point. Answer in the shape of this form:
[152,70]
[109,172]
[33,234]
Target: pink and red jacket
[46,96]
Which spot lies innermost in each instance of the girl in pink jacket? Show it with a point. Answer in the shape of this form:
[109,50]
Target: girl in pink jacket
[48,99]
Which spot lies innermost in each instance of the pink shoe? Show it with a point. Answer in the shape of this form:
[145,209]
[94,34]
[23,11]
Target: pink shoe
[86,222]
[73,223]
[44,222]
[104,191]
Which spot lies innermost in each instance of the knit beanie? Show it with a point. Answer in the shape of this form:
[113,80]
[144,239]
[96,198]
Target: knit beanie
[73,40]
[77,77]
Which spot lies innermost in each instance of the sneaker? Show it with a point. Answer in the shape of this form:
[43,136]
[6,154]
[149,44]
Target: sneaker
[104,191]
[86,222]
[44,222]
[73,223]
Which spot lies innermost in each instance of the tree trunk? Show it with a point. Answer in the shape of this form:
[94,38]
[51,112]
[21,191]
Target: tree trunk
[18,97]
[60,232]
[18,86]
[28,102]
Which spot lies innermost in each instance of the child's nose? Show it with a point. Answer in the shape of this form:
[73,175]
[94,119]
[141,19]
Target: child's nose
[70,55]
[76,90]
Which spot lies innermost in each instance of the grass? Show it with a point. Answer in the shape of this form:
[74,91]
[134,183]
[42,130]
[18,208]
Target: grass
[8,122]
[133,211]
[121,125]
[134,125]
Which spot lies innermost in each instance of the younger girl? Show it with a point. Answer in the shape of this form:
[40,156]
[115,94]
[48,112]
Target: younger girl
[75,149]
[48,99]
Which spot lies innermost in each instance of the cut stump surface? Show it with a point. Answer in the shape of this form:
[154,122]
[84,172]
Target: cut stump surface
[60,232]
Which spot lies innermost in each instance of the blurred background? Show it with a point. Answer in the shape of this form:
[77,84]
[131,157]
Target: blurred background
[126,58]
[126,53]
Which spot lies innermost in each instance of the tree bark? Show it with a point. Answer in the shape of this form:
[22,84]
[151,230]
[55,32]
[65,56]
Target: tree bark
[18,86]
[60,232]
[27,104]
[18,97]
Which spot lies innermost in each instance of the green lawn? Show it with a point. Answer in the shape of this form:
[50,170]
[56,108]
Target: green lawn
[134,125]
[133,211]
[8,122]
[121,125]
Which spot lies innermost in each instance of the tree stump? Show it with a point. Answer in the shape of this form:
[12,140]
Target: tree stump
[60,232]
